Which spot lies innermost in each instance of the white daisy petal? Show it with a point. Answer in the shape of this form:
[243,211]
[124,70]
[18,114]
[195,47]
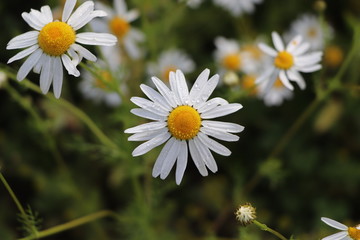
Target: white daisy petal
[223,126]
[221,135]
[206,91]
[268,50]
[162,157]
[33,22]
[221,111]
[149,105]
[199,82]
[336,236]
[182,87]
[58,77]
[46,11]
[29,64]
[102,39]
[334,224]
[165,91]
[23,53]
[46,74]
[197,158]
[152,143]
[212,103]
[69,65]
[83,10]
[147,135]
[147,114]
[294,43]
[39,64]
[295,76]
[265,75]
[278,43]
[120,7]
[170,159]
[214,145]
[181,162]
[309,68]
[38,17]
[146,127]
[84,52]
[206,155]
[285,80]
[87,18]
[155,97]
[302,48]
[173,86]
[23,40]
[68,8]
[132,15]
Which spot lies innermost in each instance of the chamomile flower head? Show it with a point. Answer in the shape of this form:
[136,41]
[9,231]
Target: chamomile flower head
[245,214]
[229,57]
[347,233]
[54,44]
[276,95]
[101,85]
[288,61]
[182,119]
[170,61]
[310,28]
[237,7]
[118,22]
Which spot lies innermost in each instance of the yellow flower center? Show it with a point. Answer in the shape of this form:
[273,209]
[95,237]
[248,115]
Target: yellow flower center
[166,73]
[248,83]
[55,38]
[232,61]
[312,33]
[354,233]
[103,80]
[119,27]
[284,60]
[184,122]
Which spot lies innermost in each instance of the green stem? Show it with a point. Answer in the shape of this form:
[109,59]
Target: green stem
[71,224]
[272,231]
[12,194]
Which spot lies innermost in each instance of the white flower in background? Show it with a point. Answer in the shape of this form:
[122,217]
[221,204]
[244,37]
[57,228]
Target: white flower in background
[118,22]
[347,233]
[229,57]
[55,43]
[101,86]
[237,7]
[276,95]
[170,61]
[192,3]
[309,27]
[288,62]
[245,214]
[182,120]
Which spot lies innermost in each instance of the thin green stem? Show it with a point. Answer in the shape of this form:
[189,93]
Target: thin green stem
[71,224]
[272,231]
[12,194]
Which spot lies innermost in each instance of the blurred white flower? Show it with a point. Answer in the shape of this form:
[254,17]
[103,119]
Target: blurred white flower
[310,28]
[192,3]
[101,86]
[170,61]
[55,43]
[288,62]
[245,214]
[118,22]
[276,95]
[182,121]
[229,56]
[347,233]
[237,7]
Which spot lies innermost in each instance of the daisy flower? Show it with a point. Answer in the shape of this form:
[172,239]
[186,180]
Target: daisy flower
[101,87]
[276,95]
[237,7]
[55,43]
[229,56]
[245,214]
[169,61]
[288,62]
[182,120]
[347,233]
[309,27]
[118,23]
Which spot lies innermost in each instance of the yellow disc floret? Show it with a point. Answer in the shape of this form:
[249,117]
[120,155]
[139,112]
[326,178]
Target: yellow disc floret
[232,61]
[103,80]
[184,122]
[354,232]
[284,60]
[55,38]
[166,72]
[119,27]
